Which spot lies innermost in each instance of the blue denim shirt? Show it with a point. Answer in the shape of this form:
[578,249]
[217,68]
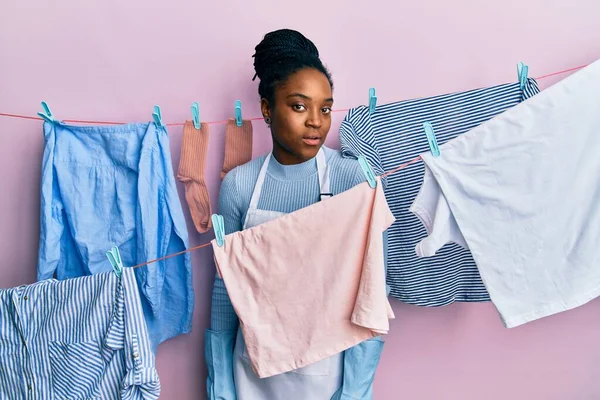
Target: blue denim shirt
[105,186]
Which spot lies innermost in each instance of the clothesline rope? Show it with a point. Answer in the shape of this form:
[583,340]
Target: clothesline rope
[414,160]
[385,174]
[78,121]
[172,255]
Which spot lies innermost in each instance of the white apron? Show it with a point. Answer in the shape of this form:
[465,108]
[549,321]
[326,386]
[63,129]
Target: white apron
[318,381]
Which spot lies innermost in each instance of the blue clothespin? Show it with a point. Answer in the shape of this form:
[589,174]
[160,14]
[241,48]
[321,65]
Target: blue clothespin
[114,257]
[157,116]
[238,113]
[431,140]
[372,100]
[522,72]
[366,169]
[219,228]
[196,115]
[47,114]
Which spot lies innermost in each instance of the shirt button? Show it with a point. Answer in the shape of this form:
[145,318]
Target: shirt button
[29,387]
[25,297]
[136,355]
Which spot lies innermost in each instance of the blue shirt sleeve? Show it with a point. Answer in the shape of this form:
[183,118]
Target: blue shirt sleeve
[220,339]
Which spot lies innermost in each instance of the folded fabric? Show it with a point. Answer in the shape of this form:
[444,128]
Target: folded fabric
[522,192]
[324,294]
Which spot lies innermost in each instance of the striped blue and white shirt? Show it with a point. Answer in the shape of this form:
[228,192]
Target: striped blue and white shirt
[82,338]
[394,135]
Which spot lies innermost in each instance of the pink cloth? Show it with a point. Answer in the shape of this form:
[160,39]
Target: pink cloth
[310,284]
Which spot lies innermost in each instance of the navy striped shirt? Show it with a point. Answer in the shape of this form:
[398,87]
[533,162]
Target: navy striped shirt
[394,135]
[82,338]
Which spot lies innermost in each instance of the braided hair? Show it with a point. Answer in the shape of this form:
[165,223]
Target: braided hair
[280,54]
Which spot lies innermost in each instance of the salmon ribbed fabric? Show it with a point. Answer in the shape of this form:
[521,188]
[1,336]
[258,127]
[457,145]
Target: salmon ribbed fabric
[192,165]
[238,145]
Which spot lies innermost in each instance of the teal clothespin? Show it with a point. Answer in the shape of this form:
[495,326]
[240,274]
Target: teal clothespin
[114,257]
[366,169]
[47,114]
[372,100]
[157,116]
[431,140]
[238,113]
[522,72]
[196,115]
[219,228]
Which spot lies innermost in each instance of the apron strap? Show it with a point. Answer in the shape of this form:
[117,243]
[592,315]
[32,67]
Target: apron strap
[322,171]
[258,187]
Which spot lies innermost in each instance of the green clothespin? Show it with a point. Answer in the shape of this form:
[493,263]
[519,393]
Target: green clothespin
[157,117]
[366,169]
[196,115]
[238,113]
[522,73]
[114,257]
[219,228]
[431,140]
[47,114]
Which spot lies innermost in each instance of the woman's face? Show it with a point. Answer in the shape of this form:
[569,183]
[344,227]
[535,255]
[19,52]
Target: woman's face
[301,116]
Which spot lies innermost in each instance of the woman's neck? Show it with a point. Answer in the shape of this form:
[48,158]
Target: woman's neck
[285,157]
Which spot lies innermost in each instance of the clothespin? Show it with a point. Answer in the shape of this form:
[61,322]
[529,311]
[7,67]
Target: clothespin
[431,140]
[372,100]
[196,115]
[238,113]
[114,257]
[366,169]
[219,228]
[522,72]
[157,116]
[47,114]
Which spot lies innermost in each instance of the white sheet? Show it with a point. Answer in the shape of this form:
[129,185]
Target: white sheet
[522,192]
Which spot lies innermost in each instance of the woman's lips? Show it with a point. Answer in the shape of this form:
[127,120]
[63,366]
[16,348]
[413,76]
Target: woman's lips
[312,141]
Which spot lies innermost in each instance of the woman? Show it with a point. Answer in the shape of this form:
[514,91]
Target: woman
[296,100]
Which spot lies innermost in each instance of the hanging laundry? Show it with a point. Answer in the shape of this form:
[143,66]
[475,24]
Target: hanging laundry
[393,135]
[192,169]
[75,339]
[255,190]
[105,186]
[524,189]
[238,145]
[324,294]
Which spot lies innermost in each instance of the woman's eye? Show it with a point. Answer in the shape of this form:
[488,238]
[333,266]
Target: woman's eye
[326,110]
[298,107]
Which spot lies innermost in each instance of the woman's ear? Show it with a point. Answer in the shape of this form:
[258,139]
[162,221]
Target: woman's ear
[265,110]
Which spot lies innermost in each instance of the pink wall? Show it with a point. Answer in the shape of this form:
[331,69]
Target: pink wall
[113,60]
